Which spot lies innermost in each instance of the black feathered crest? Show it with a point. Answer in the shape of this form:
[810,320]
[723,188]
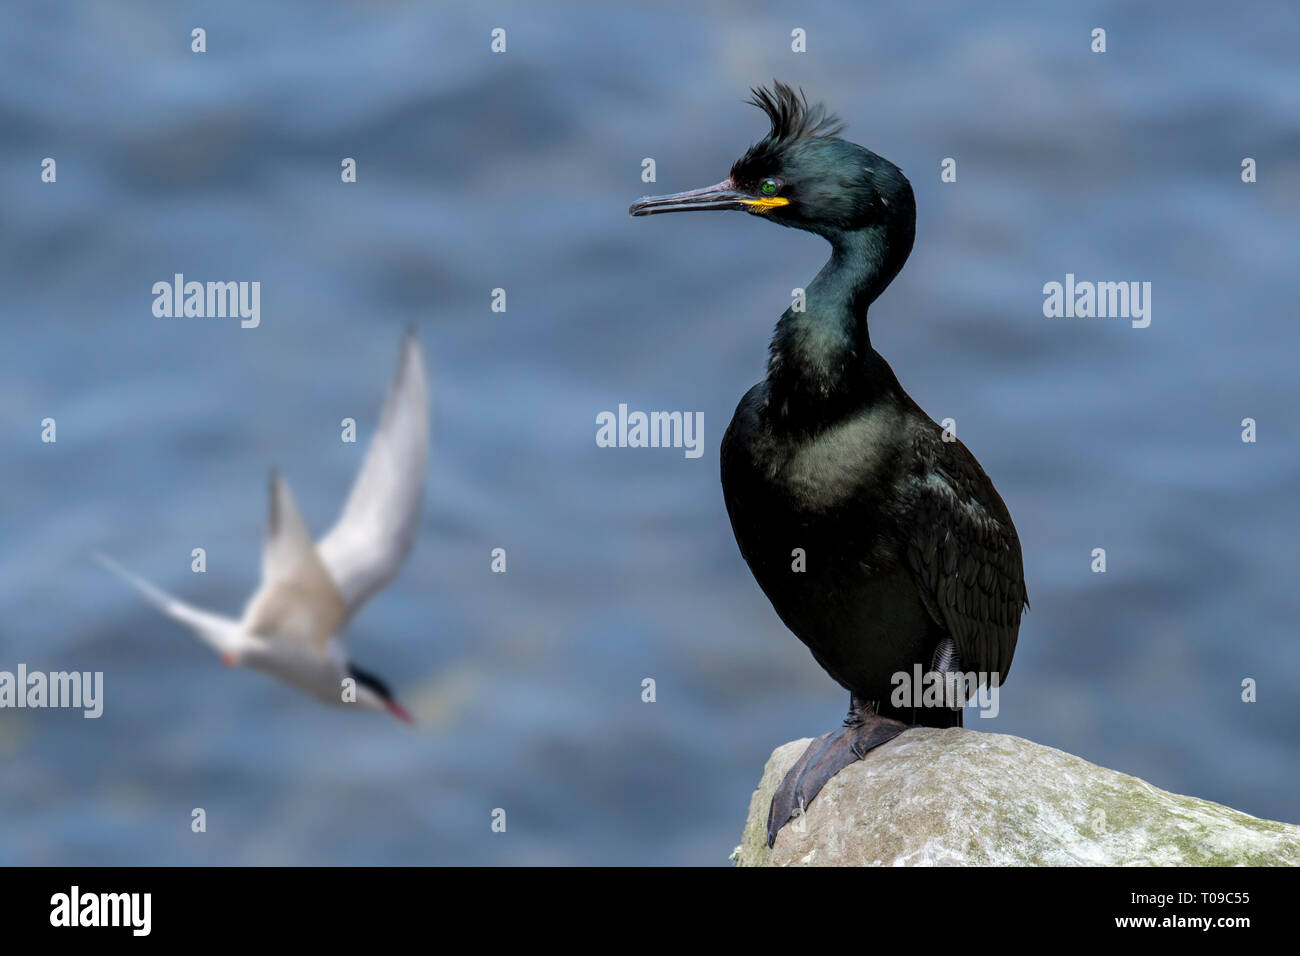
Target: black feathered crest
[792,119]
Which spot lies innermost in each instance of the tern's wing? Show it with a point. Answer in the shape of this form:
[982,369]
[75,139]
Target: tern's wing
[222,634]
[297,599]
[372,537]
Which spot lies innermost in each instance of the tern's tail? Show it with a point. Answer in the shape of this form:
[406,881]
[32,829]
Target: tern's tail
[222,634]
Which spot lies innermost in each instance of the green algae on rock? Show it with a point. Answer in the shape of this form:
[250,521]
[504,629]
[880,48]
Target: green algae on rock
[961,798]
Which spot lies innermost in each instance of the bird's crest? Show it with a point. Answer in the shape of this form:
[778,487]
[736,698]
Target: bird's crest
[792,119]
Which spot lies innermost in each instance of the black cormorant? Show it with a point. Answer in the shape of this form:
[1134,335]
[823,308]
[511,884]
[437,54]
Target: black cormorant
[878,538]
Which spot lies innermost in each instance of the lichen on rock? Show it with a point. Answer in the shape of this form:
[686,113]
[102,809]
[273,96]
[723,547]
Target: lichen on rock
[962,798]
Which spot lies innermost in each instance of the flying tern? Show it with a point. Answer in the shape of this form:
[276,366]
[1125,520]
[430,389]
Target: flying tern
[292,624]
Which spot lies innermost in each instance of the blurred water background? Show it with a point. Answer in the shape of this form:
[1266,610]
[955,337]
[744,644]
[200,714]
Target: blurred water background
[479,171]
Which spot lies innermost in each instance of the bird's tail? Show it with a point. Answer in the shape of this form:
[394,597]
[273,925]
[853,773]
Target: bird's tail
[946,666]
[222,634]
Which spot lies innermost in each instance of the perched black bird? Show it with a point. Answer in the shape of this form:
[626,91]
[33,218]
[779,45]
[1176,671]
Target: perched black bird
[909,556]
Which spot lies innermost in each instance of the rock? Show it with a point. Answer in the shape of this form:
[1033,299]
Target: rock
[963,798]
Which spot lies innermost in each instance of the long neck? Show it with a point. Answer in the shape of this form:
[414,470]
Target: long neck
[820,356]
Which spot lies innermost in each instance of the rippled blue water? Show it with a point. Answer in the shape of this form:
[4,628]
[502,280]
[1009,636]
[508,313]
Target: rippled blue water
[479,171]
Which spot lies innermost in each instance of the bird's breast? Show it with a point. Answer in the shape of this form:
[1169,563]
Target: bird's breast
[816,520]
[835,469]
[820,498]
[315,672]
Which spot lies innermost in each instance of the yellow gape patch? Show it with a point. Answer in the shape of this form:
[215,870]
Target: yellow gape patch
[763,205]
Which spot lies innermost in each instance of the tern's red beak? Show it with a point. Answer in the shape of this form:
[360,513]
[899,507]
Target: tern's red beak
[398,711]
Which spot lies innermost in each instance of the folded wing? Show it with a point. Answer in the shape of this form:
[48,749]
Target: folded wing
[965,557]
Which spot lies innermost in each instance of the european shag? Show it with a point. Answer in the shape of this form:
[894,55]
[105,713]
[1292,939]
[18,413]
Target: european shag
[878,538]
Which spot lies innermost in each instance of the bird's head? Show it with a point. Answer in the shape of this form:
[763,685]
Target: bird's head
[373,693]
[803,175]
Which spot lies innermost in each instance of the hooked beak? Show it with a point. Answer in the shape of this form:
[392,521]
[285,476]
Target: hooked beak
[725,195]
[398,711]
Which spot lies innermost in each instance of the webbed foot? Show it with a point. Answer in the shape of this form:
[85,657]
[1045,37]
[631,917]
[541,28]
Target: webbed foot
[826,756]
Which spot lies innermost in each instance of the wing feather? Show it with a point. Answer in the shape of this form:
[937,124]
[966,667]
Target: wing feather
[373,535]
[221,633]
[964,555]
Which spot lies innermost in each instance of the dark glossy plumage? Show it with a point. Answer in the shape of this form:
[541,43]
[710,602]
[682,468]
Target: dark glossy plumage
[908,552]
[905,539]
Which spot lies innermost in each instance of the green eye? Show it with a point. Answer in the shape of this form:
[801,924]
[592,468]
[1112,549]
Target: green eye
[768,187]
